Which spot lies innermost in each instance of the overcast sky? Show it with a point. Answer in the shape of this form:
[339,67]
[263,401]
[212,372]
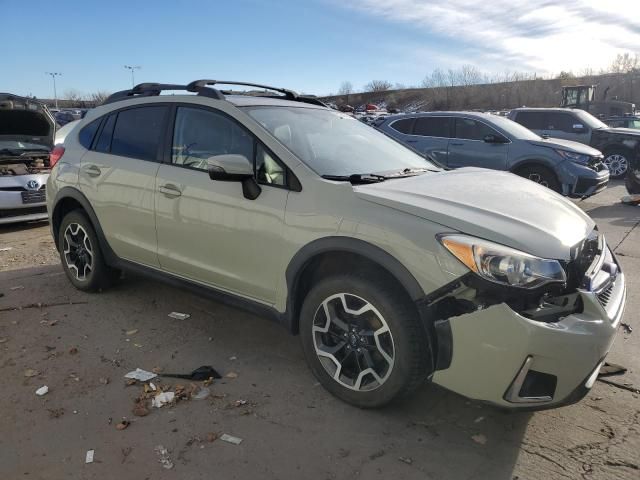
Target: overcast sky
[307,45]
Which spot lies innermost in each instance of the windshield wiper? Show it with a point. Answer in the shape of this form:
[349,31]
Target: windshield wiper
[356,178]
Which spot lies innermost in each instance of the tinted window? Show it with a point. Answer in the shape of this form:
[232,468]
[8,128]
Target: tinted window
[472,130]
[268,169]
[138,131]
[561,121]
[104,140]
[433,127]
[532,120]
[403,126]
[87,133]
[199,134]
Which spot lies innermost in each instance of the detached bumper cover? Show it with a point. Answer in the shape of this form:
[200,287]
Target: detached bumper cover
[495,348]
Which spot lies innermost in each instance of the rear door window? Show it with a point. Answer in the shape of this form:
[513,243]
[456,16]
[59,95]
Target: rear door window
[532,120]
[469,129]
[403,126]
[138,131]
[433,127]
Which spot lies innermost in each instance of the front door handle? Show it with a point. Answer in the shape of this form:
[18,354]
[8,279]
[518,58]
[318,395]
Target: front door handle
[170,190]
[92,170]
[457,144]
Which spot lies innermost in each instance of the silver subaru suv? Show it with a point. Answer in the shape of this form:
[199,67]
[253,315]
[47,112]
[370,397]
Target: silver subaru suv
[391,269]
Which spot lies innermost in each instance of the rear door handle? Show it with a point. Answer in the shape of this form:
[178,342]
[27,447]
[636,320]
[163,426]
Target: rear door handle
[92,170]
[457,144]
[412,141]
[170,190]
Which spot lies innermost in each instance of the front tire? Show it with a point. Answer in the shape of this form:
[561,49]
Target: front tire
[617,161]
[363,340]
[82,259]
[542,176]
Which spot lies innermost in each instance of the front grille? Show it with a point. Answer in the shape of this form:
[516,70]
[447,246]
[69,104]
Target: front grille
[605,296]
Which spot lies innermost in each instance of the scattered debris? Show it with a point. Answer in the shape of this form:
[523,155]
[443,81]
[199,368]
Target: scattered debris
[163,399]
[630,200]
[628,387]
[239,403]
[230,439]
[179,316]
[233,358]
[163,457]
[231,375]
[610,369]
[150,387]
[131,332]
[407,460]
[199,374]
[156,370]
[3,339]
[40,305]
[141,375]
[202,394]
[376,454]
[212,437]
[73,350]
[140,409]
[89,457]
[30,372]
[56,412]
[17,287]
[479,438]
[104,380]
[6,249]
[478,420]
[626,327]
[123,424]
[42,391]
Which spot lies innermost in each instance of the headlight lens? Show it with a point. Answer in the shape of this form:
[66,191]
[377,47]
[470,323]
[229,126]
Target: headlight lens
[573,156]
[504,265]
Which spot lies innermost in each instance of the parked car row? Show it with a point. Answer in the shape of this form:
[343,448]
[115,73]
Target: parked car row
[470,139]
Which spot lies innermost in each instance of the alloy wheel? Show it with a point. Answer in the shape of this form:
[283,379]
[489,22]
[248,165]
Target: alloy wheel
[617,164]
[536,177]
[353,342]
[78,251]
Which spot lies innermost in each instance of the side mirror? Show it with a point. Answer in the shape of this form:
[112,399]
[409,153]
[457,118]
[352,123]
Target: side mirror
[491,138]
[234,168]
[578,128]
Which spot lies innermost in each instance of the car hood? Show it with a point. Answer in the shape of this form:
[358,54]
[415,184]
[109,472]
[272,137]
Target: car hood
[622,131]
[496,206]
[576,147]
[25,121]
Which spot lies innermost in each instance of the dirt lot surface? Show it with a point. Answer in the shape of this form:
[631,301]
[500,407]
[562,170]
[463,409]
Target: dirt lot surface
[81,345]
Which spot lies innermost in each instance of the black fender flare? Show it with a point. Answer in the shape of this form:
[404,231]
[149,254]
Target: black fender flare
[531,161]
[346,245]
[71,192]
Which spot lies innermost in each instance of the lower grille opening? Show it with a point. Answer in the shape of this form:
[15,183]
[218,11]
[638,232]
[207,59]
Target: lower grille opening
[16,212]
[538,384]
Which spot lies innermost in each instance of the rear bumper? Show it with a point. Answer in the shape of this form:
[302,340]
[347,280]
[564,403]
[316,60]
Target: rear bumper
[501,357]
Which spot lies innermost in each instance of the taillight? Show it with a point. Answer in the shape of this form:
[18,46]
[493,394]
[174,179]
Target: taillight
[55,155]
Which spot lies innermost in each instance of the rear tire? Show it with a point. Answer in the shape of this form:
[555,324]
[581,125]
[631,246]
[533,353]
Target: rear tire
[379,348]
[542,176]
[80,254]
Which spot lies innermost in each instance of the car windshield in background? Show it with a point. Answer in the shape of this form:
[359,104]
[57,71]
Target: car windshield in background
[589,120]
[514,129]
[334,144]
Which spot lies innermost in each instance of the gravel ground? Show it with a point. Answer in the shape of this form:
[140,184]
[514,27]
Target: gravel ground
[81,345]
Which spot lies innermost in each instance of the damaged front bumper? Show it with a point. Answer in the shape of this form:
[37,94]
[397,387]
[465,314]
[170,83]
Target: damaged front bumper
[498,355]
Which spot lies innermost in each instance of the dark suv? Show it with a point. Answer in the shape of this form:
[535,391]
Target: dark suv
[620,146]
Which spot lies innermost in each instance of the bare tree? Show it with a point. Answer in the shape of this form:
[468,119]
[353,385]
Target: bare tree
[625,63]
[98,97]
[73,95]
[378,86]
[346,88]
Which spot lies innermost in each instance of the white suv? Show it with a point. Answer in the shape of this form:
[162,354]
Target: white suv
[392,270]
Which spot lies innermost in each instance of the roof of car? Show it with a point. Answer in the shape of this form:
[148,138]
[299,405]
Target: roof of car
[441,114]
[252,100]
[545,109]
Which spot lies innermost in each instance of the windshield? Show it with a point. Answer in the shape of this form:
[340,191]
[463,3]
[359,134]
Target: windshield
[15,145]
[334,144]
[589,120]
[514,129]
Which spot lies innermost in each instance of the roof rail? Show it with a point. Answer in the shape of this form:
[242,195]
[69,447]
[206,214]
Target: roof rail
[203,88]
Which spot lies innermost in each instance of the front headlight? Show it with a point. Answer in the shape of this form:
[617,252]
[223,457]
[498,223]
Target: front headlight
[504,265]
[573,156]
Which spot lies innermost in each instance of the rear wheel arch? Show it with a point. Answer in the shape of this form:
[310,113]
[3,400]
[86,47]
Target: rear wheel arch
[337,255]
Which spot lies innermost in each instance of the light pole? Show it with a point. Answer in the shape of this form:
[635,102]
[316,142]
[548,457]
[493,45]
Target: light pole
[132,68]
[55,93]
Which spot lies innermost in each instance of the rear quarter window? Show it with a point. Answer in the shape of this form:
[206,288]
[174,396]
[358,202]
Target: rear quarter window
[88,133]
[403,126]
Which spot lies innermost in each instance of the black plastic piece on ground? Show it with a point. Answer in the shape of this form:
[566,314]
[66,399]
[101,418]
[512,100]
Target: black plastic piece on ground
[199,374]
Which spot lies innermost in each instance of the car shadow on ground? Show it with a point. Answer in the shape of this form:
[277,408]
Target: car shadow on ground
[21,226]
